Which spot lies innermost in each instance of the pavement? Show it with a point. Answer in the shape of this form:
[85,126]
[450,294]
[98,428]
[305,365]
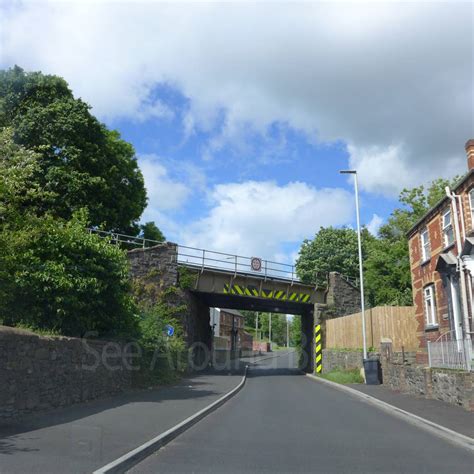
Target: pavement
[284,422]
[84,437]
[453,417]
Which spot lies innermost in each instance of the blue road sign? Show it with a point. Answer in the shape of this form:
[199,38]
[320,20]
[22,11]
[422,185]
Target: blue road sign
[169,330]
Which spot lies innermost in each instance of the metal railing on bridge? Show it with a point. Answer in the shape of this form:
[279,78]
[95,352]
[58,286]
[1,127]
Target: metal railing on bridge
[202,258]
[238,264]
[210,259]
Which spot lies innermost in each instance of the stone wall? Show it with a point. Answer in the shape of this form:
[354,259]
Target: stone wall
[337,359]
[342,297]
[401,373]
[40,373]
[156,264]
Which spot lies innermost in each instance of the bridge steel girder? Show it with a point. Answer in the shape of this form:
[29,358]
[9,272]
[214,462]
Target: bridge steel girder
[227,290]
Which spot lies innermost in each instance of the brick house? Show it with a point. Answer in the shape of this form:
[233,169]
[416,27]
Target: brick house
[441,246]
[228,324]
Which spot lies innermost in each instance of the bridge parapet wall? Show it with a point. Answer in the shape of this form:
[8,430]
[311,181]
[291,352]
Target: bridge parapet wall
[342,296]
[158,264]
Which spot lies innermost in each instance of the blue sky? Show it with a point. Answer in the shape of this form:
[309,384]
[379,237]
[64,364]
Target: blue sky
[242,114]
[282,156]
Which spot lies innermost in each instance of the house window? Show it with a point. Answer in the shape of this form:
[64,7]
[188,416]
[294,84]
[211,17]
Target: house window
[471,205]
[448,231]
[425,245]
[430,306]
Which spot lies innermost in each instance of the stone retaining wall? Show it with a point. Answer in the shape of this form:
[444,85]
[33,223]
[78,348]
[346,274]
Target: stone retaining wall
[452,386]
[40,373]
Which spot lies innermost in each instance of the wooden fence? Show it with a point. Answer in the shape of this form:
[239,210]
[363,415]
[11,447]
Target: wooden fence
[396,323]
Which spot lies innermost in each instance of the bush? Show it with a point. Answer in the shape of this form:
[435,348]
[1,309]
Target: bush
[55,276]
[164,357]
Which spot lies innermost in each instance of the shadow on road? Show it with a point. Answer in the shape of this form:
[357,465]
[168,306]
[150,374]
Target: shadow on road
[191,387]
[266,372]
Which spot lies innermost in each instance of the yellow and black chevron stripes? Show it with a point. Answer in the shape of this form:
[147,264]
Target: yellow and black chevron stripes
[318,350]
[281,295]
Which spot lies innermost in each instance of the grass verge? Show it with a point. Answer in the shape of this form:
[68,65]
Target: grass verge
[343,376]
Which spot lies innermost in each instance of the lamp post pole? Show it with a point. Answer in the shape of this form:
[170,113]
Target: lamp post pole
[361,270]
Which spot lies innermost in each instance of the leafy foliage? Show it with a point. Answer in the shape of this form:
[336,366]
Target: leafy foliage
[20,189]
[150,231]
[331,250]
[278,326]
[164,358]
[56,276]
[81,164]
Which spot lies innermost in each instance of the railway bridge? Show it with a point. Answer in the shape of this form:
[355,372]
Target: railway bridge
[217,279]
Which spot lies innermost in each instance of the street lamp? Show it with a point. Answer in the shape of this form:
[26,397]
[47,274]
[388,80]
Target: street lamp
[361,272]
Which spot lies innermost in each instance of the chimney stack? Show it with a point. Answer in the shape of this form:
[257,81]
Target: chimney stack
[470,154]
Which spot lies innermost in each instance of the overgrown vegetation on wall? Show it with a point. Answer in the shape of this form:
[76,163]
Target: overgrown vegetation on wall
[164,357]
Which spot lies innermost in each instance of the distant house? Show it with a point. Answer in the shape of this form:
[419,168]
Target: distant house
[441,248]
[228,328]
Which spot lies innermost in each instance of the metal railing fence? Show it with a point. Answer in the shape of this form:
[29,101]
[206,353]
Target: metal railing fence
[238,264]
[448,353]
[202,258]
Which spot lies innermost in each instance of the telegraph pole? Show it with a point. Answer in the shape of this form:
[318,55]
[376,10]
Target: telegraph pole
[270,330]
[256,327]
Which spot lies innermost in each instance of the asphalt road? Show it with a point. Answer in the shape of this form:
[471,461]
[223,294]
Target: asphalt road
[283,422]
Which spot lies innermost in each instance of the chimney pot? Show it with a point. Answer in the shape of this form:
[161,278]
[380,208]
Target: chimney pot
[470,154]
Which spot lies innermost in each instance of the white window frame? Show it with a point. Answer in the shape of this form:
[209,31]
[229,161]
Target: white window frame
[447,228]
[429,301]
[425,245]
[471,206]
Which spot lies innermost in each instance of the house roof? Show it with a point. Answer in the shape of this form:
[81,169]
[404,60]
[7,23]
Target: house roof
[232,311]
[439,204]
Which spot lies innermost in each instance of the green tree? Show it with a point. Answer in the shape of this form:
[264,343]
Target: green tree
[20,190]
[81,162]
[331,250]
[54,275]
[150,231]
[295,332]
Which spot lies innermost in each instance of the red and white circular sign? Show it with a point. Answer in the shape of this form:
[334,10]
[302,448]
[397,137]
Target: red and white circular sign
[256,264]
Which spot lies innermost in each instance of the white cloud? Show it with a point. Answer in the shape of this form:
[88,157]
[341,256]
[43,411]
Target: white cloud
[393,82]
[374,225]
[259,217]
[164,193]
